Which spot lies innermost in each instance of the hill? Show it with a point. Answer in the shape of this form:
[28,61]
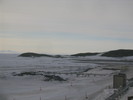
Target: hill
[85,54]
[113,53]
[30,54]
[118,53]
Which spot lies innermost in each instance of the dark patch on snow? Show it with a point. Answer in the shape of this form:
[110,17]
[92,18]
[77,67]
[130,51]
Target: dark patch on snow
[111,69]
[46,77]
[53,77]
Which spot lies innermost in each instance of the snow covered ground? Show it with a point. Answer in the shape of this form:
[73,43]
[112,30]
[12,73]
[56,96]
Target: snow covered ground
[93,82]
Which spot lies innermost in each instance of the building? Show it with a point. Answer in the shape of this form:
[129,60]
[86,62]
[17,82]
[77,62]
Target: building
[119,81]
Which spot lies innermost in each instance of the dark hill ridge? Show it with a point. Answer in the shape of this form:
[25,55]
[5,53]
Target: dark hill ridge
[30,54]
[113,53]
[118,53]
[85,54]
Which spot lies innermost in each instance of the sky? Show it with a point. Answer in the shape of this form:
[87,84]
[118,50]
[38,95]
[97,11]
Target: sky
[66,26]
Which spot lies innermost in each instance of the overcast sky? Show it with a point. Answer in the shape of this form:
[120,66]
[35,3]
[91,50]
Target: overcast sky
[66,26]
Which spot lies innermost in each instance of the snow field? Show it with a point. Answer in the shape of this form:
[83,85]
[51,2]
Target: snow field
[82,87]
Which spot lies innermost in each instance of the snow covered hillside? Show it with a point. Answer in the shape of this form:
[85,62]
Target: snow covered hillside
[86,78]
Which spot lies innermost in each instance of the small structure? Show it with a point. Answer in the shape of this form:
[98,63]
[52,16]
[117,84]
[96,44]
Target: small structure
[119,81]
[130,98]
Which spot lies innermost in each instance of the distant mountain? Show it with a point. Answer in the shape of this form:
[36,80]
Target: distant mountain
[118,53]
[113,53]
[85,54]
[30,54]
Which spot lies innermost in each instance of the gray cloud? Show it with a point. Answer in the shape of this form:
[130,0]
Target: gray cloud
[49,15]
[95,18]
